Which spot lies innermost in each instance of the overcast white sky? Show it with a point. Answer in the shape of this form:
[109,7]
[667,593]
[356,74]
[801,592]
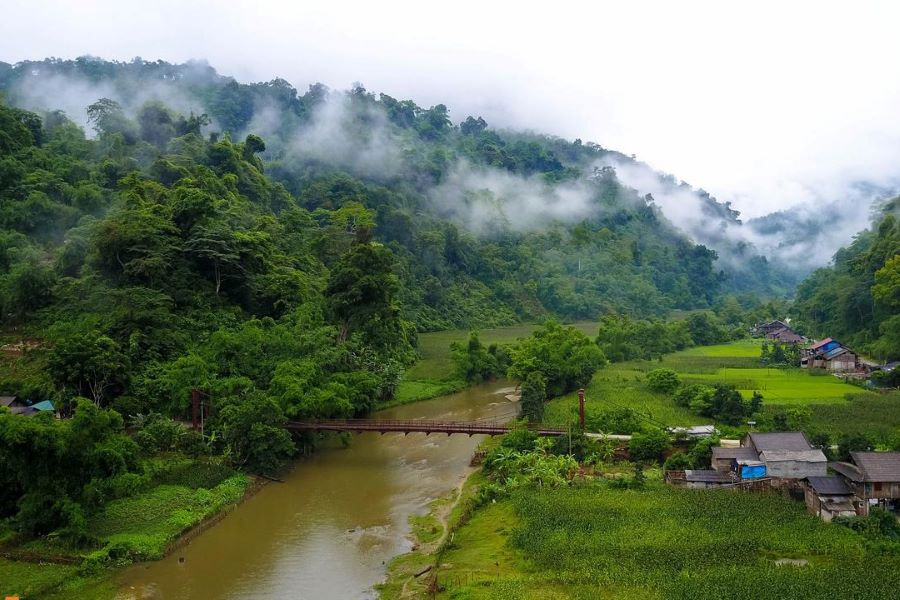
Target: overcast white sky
[766,104]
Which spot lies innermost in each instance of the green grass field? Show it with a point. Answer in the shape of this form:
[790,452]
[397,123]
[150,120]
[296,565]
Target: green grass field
[737,363]
[597,542]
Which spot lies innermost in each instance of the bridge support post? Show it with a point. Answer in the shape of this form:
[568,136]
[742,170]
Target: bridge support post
[581,409]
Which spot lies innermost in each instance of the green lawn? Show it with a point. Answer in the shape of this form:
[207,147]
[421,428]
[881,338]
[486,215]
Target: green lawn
[593,541]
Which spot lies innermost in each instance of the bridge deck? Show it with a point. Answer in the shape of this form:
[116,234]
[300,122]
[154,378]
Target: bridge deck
[416,426]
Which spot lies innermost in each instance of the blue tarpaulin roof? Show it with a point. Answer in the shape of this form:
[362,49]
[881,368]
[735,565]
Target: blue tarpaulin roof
[44,405]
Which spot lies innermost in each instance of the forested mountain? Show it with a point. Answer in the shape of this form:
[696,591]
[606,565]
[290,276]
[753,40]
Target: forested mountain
[857,299]
[486,226]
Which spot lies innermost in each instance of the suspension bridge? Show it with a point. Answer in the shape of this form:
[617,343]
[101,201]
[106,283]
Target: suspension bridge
[494,426]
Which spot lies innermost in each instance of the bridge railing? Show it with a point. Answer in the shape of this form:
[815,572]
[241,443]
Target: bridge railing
[410,425]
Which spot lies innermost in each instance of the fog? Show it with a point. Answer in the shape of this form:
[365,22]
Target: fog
[768,105]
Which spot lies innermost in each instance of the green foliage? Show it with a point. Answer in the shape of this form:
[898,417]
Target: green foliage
[622,338]
[534,394]
[856,299]
[55,471]
[620,421]
[780,355]
[509,469]
[678,462]
[722,402]
[664,381]
[254,434]
[476,363]
[648,445]
[855,442]
[564,356]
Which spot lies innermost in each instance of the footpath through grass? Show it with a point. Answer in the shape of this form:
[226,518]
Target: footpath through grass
[593,541]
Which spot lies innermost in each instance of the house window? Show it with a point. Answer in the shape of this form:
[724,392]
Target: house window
[877,486]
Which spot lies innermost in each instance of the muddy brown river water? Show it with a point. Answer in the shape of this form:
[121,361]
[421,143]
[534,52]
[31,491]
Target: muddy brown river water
[330,529]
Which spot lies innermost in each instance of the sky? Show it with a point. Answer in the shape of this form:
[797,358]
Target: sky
[769,105]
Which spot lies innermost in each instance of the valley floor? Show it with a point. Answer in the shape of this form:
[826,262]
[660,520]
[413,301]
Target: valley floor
[596,540]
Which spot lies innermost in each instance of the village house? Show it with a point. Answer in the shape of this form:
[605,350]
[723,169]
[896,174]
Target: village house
[787,454]
[725,460]
[11,402]
[828,497]
[764,329]
[786,335]
[874,479]
[831,355]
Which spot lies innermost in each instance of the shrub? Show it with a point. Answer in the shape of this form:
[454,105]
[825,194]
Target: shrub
[663,380]
[616,420]
[648,445]
[678,462]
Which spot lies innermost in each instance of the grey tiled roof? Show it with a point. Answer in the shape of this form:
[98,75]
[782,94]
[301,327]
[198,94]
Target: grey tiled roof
[829,485]
[878,466]
[780,440]
[739,453]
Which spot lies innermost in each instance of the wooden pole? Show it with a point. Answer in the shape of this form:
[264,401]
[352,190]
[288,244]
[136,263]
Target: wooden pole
[581,409]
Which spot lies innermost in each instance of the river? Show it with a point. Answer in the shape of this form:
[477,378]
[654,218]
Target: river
[339,517]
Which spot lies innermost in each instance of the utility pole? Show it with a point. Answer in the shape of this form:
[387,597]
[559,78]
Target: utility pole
[581,409]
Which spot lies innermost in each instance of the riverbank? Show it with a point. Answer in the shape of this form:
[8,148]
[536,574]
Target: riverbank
[188,498]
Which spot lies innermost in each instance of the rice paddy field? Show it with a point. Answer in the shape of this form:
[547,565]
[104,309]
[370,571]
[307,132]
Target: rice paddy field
[836,406]
[593,541]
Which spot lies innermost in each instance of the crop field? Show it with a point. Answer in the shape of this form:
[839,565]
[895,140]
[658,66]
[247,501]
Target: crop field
[784,387]
[146,523]
[617,386]
[598,542]
[624,385]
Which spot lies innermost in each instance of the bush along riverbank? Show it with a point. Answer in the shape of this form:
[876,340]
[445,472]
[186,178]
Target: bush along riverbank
[538,522]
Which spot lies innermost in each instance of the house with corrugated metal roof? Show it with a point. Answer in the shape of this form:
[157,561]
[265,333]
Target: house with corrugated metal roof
[874,478]
[11,401]
[828,497]
[725,459]
[787,454]
[830,354]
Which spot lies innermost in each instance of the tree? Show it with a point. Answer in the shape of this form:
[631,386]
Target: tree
[253,430]
[853,442]
[107,117]
[474,362]
[565,357]
[361,296]
[472,126]
[534,393]
[87,363]
[664,381]
[648,445]
[678,462]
